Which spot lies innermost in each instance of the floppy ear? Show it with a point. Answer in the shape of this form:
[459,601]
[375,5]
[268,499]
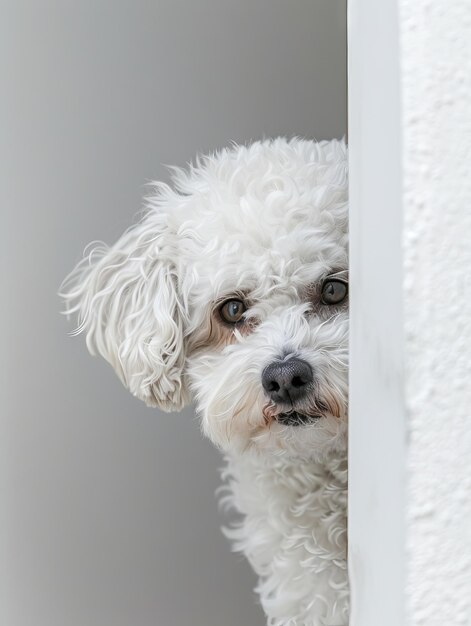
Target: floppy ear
[127,304]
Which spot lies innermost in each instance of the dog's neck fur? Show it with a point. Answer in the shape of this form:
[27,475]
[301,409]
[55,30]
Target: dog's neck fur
[293,530]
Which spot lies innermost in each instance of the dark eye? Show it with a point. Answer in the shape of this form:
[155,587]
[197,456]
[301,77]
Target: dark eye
[232,310]
[333,291]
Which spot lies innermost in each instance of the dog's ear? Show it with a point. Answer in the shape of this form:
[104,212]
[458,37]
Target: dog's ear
[127,304]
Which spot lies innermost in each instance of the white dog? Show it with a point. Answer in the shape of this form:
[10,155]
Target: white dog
[232,292]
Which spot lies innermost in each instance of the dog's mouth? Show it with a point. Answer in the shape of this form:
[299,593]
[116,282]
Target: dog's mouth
[304,416]
[294,418]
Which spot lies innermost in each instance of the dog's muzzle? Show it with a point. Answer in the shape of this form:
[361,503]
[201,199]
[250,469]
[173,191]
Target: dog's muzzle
[287,384]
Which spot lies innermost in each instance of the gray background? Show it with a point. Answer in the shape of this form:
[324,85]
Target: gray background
[108,509]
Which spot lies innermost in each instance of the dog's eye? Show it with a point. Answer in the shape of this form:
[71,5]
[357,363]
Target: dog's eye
[232,310]
[333,291]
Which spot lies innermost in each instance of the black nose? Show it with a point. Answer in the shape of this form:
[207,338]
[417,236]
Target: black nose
[287,381]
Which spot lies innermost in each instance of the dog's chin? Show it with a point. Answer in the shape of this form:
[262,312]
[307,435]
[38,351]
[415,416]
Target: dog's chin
[297,435]
[308,431]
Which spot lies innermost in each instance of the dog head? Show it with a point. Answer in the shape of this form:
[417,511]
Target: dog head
[232,292]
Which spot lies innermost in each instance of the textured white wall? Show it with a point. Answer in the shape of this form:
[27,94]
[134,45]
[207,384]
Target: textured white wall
[410,385]
[436,103]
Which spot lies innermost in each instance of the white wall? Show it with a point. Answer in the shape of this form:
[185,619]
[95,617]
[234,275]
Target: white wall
[410,461]
[436,113]
[377,454]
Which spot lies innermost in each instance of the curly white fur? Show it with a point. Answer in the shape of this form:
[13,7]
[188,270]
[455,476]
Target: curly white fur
[265,223]
[293,532]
